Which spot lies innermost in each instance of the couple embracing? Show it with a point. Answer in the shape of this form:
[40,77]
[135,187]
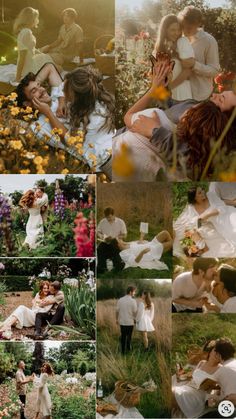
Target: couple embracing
[47,306]
[43,401]
[128,312]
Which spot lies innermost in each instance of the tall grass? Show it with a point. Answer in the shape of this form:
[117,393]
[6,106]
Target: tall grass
[138,366]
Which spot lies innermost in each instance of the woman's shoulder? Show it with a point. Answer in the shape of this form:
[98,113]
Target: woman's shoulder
[24,31]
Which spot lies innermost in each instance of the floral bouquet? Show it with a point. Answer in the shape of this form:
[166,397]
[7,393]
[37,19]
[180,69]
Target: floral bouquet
[193,244]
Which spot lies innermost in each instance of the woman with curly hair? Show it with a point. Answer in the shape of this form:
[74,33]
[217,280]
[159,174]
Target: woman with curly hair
[44,402]
[34,226]
[24,316]
[90,108]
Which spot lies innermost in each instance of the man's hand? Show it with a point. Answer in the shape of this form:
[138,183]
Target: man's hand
[41,106]
[145,125]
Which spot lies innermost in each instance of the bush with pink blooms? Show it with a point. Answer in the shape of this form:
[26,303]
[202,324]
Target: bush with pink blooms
[85,235]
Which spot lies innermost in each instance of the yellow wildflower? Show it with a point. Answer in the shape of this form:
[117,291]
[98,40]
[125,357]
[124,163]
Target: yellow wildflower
[38,160]
[40,170]
[160,93]
[28,109]
[16,144]
[122,164]
[24,171]
[12,96]
[64,171]
[228,176]
[46,119]
[15,110]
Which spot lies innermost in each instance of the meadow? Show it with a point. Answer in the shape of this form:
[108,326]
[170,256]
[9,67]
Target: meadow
[138,366]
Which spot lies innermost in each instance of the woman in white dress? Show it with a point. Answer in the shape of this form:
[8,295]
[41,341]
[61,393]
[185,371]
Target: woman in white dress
[191,398]
[145,317]
[146,254]
[43,403]
[23,316]
[34,226]
[217,220]
[29,58]
[171,41]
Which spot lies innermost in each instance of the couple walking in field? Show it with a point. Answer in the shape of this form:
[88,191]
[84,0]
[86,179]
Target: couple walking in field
[129,313]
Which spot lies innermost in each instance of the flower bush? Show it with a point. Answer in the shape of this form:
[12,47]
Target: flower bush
[85,235]
[10,403]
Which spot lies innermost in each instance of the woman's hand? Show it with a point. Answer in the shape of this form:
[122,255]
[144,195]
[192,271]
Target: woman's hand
[161,71]
[41,106]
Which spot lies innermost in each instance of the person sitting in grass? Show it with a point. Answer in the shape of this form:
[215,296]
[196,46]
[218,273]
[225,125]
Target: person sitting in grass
[145,254]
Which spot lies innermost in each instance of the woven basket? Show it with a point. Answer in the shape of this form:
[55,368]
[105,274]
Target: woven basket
[127,394]
[104,63]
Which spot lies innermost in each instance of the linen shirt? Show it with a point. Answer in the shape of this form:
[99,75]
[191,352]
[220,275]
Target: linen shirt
[184,287]
[229,306]
[114,229]
[226,377]
[57,299]
[224,190]
[70,37]
[206,65]
[127,310]
[20,388]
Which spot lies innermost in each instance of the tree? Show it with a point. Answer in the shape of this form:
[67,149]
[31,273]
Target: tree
[38,357]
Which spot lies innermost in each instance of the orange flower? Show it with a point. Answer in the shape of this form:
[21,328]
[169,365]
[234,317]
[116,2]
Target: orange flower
[122,164]
[160,93]
[228,176]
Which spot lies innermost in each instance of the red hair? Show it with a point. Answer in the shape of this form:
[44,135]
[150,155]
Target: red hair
[199,128]
[49,369]
[27,199]
[41,285]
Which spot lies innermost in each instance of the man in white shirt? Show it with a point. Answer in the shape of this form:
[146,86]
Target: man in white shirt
[39,193]
[226,375]
[189,287]
[109,229]
[126,312]
[206,65]
[225,191]
[21,382]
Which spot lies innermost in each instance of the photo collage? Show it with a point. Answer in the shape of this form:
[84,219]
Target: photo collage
[117,209]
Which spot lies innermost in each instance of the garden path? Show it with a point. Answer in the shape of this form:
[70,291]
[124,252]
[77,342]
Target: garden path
[30,405]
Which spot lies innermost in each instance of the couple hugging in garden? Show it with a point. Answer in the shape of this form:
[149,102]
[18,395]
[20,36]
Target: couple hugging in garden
[213,380]
[191,118]
[43,401]
[78,114]
[129,313]
[47,307]
[207,288]
[36,204]
[113,248]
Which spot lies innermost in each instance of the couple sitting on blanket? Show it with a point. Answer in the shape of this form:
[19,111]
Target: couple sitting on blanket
[47,306]
[80,103]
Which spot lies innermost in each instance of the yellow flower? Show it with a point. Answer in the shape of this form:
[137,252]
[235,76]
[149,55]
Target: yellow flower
[61,157]
[38,160]
[122,164]
[71,140]
[16,144]
[15,110]
[46,119]
[24,171]
[228,176]
[6,131]
[92,157]
[40,169]
[12,96]
[160,93]
[28,109]
[64,171]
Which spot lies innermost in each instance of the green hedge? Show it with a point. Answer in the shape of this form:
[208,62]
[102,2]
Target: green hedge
[16,282]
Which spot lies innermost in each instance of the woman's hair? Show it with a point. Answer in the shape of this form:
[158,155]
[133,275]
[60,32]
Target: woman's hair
[166,21]
[225,348]
[199,128]
[86,88]
[147,299]
[49,369]
[41,285]
[208,347]
[25,19]
[27,199]
[228,277]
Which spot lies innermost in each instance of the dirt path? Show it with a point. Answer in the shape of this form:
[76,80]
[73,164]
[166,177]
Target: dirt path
[31,404]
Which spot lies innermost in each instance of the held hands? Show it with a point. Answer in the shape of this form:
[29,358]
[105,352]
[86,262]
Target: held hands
[145,125]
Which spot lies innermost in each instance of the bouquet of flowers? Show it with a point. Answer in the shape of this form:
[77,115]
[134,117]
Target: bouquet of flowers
[193,244]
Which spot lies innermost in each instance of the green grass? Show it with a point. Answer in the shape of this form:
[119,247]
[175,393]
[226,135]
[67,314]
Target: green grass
[196,329]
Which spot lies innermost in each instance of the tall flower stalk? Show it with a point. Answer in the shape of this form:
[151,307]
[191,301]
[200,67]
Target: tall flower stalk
[84,235]
[6,224]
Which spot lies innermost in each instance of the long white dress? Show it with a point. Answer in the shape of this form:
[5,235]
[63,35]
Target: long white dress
[150,260]
[190,398]
[185,50]
[34,226]
[219,232]
[145,158]
[26,316]
[43,403]
[34,59]
[145,318]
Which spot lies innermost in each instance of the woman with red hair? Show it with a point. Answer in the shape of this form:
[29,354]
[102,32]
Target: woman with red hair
[44,403]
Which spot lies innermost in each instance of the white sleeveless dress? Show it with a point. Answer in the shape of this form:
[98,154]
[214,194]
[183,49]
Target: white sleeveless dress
[34,226]
[44,402]
[145,318]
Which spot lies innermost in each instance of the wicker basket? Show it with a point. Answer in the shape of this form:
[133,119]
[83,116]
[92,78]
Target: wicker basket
[127,394]
[104,63]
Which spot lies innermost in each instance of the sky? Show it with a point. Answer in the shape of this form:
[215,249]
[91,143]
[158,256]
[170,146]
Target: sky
[11,183]
[138,3]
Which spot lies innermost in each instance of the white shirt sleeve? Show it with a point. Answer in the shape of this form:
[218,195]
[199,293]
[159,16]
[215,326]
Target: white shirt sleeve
[184,48]
[25,40]
[123,228]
